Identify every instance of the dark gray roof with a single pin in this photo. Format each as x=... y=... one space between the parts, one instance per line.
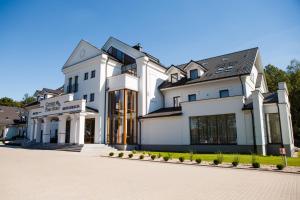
x=241 y=62
x=11 y=115
x=270 y=97
x=164 y=112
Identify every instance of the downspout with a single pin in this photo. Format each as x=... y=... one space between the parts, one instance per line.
x=105 y=86
x=253 y=130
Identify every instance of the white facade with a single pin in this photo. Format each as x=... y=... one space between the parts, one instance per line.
x=98 y=84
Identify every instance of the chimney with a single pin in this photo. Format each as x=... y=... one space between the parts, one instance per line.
x=138 y=47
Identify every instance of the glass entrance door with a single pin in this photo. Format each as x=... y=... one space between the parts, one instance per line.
x=68 y=127
x=89 y=133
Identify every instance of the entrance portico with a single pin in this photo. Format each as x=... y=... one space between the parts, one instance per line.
x=64 y=120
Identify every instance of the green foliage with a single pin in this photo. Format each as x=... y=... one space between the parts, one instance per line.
x=142 y=156
x=236 y=160
x=181 y=159
x=121 y=154
x=280 y=166
x=134 y=152
x=153 y=157
x=275 y=75
x=166 y=158
x=256 y=165
x=111 y=153
x=6 y=101
x=130 y=155
x=198 y=160
x=216 y=161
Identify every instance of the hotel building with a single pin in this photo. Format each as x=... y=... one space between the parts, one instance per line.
x=122 y=96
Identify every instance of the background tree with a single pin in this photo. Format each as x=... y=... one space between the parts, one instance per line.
x=274 y=75
x=6 y=101
x=27 y=99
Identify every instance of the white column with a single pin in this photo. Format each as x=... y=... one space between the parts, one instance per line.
x=258 y=115
x=142 y=73
x=80 y=127
x=46 y=130
x=98 y=138
x=285 y=118
x=35 y=129
x=73 y=129
x=102 y=90
x=61 y=129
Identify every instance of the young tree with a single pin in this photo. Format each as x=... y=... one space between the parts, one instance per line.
x=274 y=75
x=27 y=99
x=6 y=101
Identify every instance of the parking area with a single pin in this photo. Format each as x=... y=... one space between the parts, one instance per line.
x=41 y=174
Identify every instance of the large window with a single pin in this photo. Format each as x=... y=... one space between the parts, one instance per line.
x=213 y=129
x=122 y=57
x=86 y=76
x=76 y=84
x=273 y=128
x=193 y=73
x=122 y=117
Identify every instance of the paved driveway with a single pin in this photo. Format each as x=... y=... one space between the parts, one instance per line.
x=36 y=174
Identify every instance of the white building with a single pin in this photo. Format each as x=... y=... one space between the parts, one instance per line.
x=122 y=96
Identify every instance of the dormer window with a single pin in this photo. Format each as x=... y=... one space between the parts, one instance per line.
x=174 y=78
x=193 y=74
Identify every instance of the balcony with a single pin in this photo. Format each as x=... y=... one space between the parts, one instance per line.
x=123 y=81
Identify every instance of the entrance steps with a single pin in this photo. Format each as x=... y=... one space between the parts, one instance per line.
x=58 y=147
x=97 y=149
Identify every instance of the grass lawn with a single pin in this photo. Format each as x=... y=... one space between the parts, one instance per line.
x=244 y=158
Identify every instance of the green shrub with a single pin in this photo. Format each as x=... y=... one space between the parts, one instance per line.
x=153 y=157
x=236 y=161
x=216 y=161
x=159 y=155
x=130 y=155
x=166 y=158
x=149 y=154
x=198 y=160
x=121 y=154
x=181 y=159
x=111 y=153
x=280 y=166
x=142 y=157
x=256 y=165
x=134 y=152
x=170 y=156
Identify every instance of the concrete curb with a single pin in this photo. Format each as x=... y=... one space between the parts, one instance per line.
x=204 y=165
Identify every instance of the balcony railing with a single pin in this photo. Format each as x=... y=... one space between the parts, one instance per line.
x=129 y=69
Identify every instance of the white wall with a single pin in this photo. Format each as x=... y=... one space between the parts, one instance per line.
x=163 y=130
x=205 y=90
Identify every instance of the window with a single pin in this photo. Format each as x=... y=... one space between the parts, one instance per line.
x=85 y=97
x=76 y=84
x=122 y=57
x=93 y=74
x=92 y=96
x=86 y=76
x=174 y=78
x=273 y=128
x=69 y=88
x=224 y=93
x=176 y=101
x=213 y=129
x=193 y=74
x=192 y=97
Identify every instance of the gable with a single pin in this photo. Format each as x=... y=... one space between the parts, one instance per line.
x=83 y=51
x=194 y=65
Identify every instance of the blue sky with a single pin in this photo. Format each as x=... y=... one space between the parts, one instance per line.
x=37 y=37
